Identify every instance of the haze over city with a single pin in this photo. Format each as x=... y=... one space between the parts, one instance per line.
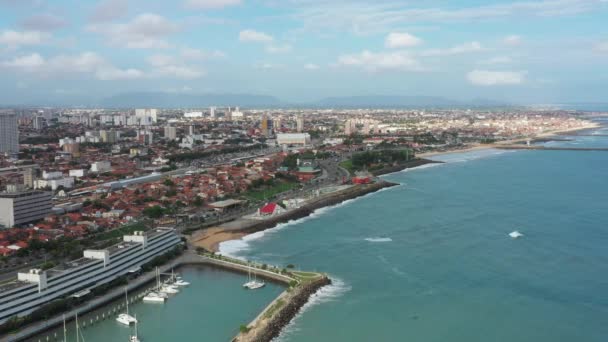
x=300 y=52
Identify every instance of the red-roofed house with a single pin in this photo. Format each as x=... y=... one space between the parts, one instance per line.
x=270 y=209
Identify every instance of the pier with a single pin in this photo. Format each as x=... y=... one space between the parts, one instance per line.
x=547 y=148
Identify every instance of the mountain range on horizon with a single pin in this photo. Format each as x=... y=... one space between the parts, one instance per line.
x=159 y=99
x=180 y=100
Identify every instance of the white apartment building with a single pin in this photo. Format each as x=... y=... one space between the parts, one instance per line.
x=18 y=207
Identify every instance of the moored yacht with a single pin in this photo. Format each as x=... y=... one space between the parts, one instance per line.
x=253 y=284
x=124 y=317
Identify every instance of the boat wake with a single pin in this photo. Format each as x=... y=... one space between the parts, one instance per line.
x=325 y=294
x=378 y=239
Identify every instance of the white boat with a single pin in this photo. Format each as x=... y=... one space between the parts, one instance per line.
x=125 y=318
x=253 y=284
x=180 y=282
x=154 y=297
x=169 y=289
x=134 y=338
x=515 y=234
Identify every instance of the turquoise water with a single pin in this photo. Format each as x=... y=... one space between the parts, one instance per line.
x=211 y=309
x=431 y=260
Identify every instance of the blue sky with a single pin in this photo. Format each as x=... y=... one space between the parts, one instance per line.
x=525 y=51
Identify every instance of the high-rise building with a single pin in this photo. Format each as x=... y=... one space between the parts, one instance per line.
x=190 y=130
x=29 y=176
x=276 y=125
x=212 y=112
x=147 y=116
x=38 y=123
x=9 y=133
x=19 y=207
x=72 y=148
x=170 y=132
x=110 y=136
x=300 y=123
x=265 y=125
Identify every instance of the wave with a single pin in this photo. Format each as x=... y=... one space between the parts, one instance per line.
x=325 y=294
x=470 y=155
x=233 y=248
x=378 y=239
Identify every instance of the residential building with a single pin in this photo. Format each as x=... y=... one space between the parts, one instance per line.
x=171 y=132
x=9 y=133
x=101 y=166
x=18 y=206
x=301 y=139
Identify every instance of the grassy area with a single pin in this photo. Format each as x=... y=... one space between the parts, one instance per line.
x=305 y=276
x=274 y=308
x=348 y=165
x=269 y=191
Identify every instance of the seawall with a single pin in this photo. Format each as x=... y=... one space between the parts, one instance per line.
x=280 y=312
x=311 y=206
x=401 y=167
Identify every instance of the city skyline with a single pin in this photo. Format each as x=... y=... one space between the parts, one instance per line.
x=301 y=51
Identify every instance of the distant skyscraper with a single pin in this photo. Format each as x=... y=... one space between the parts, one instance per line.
x=212 y=112
x=171 y=132
x=190 y=130
x=38 y=123
x=9 y=133
x=300 y=123
x=110 y=136
x=265 y=125
x=146 y=116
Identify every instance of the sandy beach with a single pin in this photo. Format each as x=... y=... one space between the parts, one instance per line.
x=476 y=147
x=211 y=238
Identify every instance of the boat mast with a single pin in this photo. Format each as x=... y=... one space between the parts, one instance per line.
x=77 y=338
x=127 y=300
x=64 y=329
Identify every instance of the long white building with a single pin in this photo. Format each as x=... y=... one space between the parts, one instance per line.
x=35 y=288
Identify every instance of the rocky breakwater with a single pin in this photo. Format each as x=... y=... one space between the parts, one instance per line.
x=281 y=311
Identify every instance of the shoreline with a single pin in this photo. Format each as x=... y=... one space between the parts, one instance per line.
x=478 y=146
x=210 y=238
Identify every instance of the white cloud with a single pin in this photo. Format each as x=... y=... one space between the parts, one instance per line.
x=491 y=78
x=401 y=40
x=512 y=40
x=456 y=50
x=146 y=31
x=29 y=63
x=311 y=66
x=111 y=73
x=43 y=22
x=84 y=63
x=383 y=16
x=372 y=61
x=278 y=48
x=268 y=66
x=601 y=47
x=255 y=36
x=211 y=4
x=168 y=66
x=197 y=54
x=497 y=60
x=109 y=10
x=19 y=38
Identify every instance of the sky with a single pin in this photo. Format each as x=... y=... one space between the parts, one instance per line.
x=523 y=51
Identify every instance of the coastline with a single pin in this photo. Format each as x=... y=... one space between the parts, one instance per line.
x=478 y=146
x=210 y=238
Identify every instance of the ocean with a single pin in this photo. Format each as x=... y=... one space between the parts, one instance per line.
x=431 y=260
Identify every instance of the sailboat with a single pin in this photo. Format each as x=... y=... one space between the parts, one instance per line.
x=78 y=333
x=253 y=284
x=124 y=317
x=156 y=296
x=134 y=338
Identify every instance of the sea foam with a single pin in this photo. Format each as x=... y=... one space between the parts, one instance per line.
x=325 y=294
x=378 y=239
